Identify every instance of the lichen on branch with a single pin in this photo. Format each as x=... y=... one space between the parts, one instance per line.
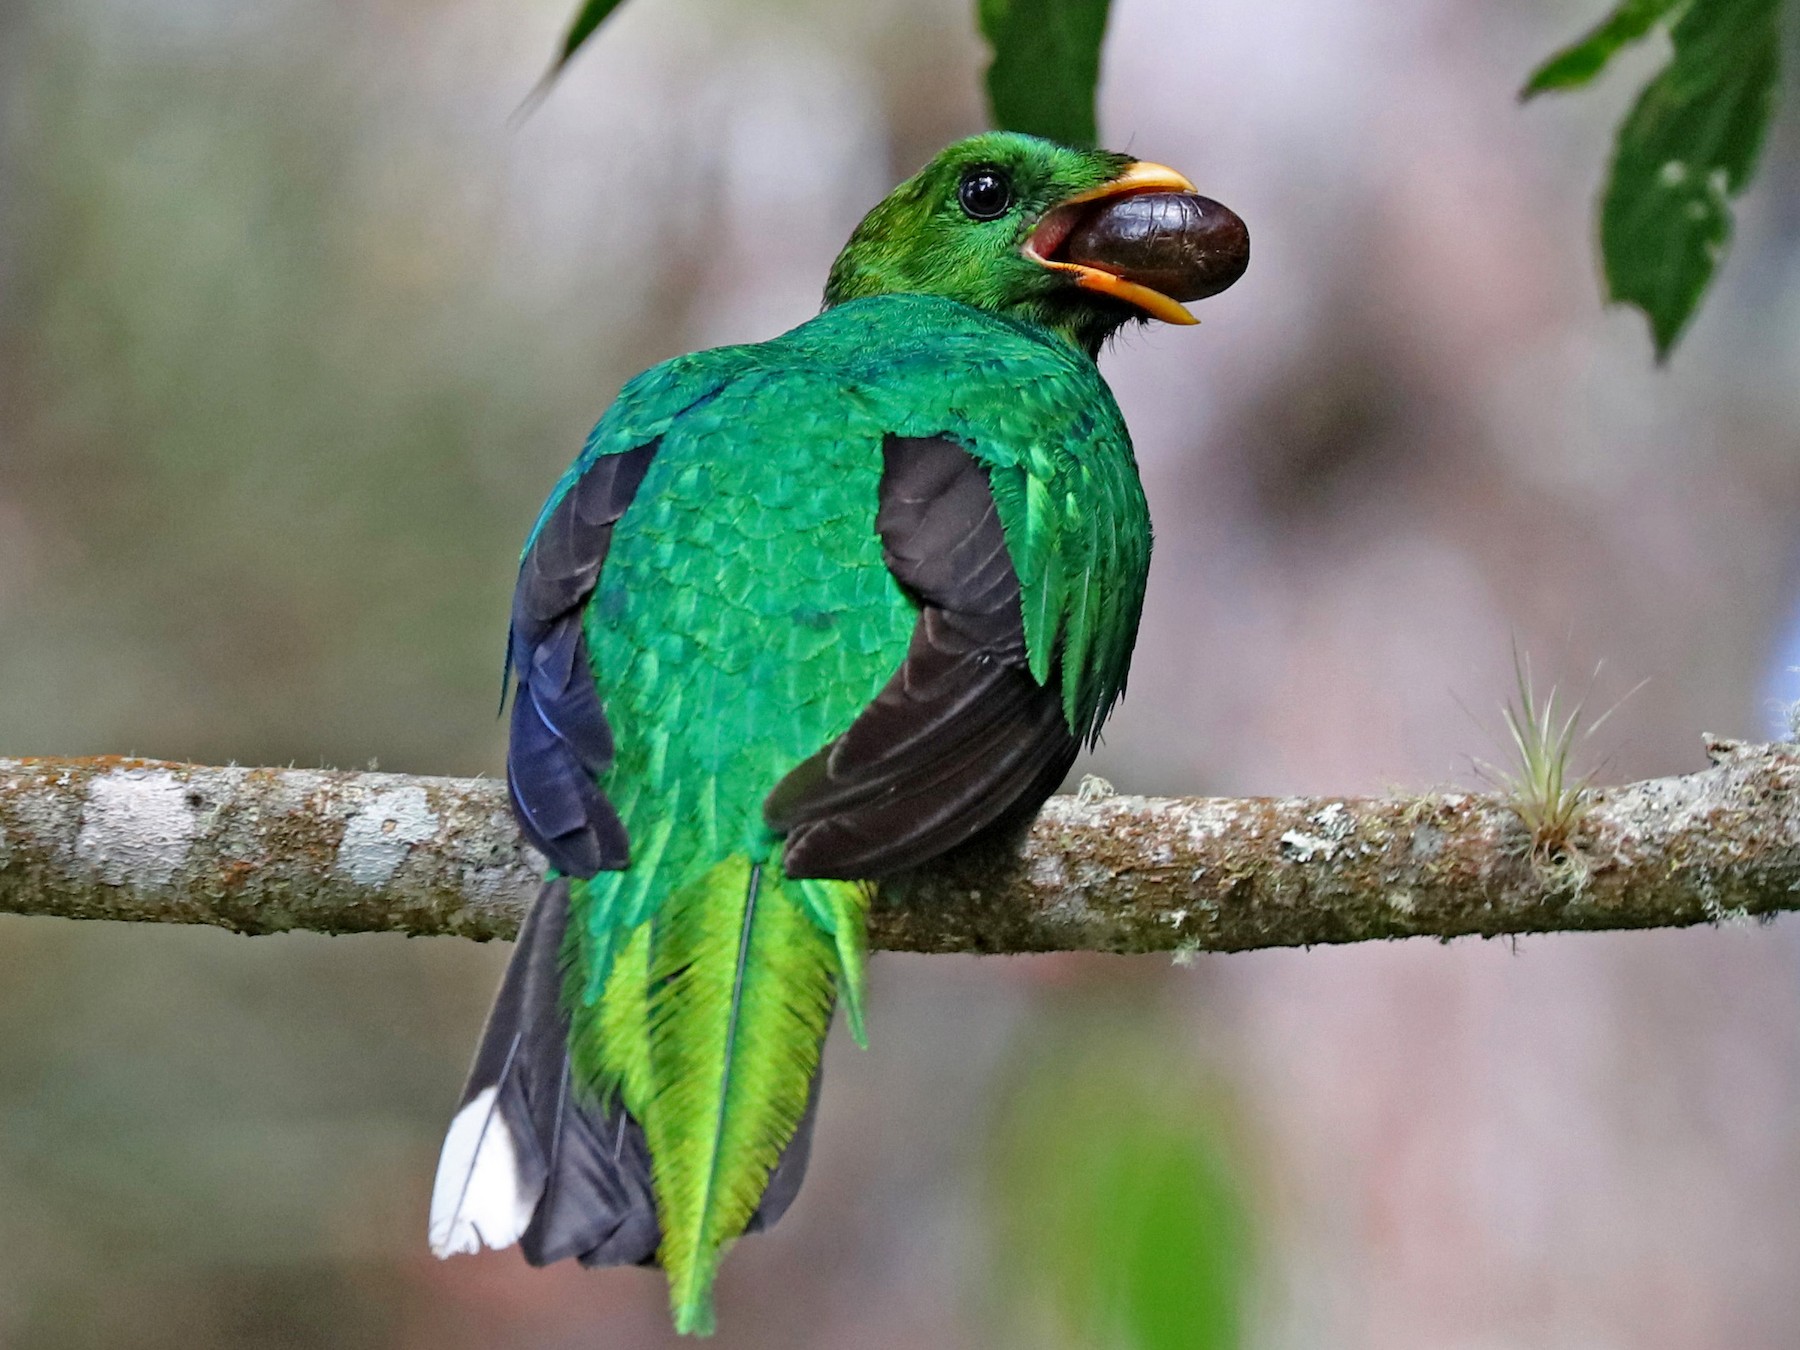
x=269 y=850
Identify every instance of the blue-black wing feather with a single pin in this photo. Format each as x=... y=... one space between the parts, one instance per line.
x=561 y=742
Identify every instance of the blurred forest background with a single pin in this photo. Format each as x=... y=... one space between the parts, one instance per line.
x=295 y=334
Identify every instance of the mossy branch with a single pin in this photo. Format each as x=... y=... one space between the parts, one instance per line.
x=268 y=850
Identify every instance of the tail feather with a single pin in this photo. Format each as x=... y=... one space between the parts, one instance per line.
x=528 y=1159
x=742 y=989
x=596 y=1206
x=532 y=1159
x=784 y=1181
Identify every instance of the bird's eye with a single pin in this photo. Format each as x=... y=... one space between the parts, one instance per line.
x=985 y=193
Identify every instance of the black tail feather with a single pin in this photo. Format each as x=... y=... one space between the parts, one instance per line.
x=588 y=1164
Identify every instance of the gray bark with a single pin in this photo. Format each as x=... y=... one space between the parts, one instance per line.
x=268 y=850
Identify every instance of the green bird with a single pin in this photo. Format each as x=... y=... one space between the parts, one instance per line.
x=804 y=614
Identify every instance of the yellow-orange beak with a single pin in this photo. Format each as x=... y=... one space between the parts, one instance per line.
x=1143 y=176
x=1138 y=178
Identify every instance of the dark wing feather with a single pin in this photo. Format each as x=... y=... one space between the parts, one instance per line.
x=560 y=739
x=962 y=737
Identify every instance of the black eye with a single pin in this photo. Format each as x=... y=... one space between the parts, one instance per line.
x=985 y=193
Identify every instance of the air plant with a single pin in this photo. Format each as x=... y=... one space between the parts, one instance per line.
x=1551 y=800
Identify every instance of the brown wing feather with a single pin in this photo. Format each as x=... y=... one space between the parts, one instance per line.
x=962 y=736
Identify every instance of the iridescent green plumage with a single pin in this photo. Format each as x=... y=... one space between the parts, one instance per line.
x=846 y=597
x=745 y=617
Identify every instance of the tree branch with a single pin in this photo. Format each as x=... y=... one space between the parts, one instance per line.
x=267 y=850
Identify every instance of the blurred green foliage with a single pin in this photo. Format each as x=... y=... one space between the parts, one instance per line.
x=1046 y=65
x=1688 y=146
x=1120 y=1219
x=1587 y=56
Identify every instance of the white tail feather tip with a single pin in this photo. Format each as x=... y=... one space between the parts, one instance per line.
x=477 y=1199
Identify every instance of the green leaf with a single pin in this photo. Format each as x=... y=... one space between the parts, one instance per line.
x=1120 y=1219
x=589 y=17
x=1687 y=148
x=1583 y=59
x=1046 y=65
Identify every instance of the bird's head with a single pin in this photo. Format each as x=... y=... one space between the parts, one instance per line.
x=1078 y=241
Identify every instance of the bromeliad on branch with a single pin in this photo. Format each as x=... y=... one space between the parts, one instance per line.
x=803 y=615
